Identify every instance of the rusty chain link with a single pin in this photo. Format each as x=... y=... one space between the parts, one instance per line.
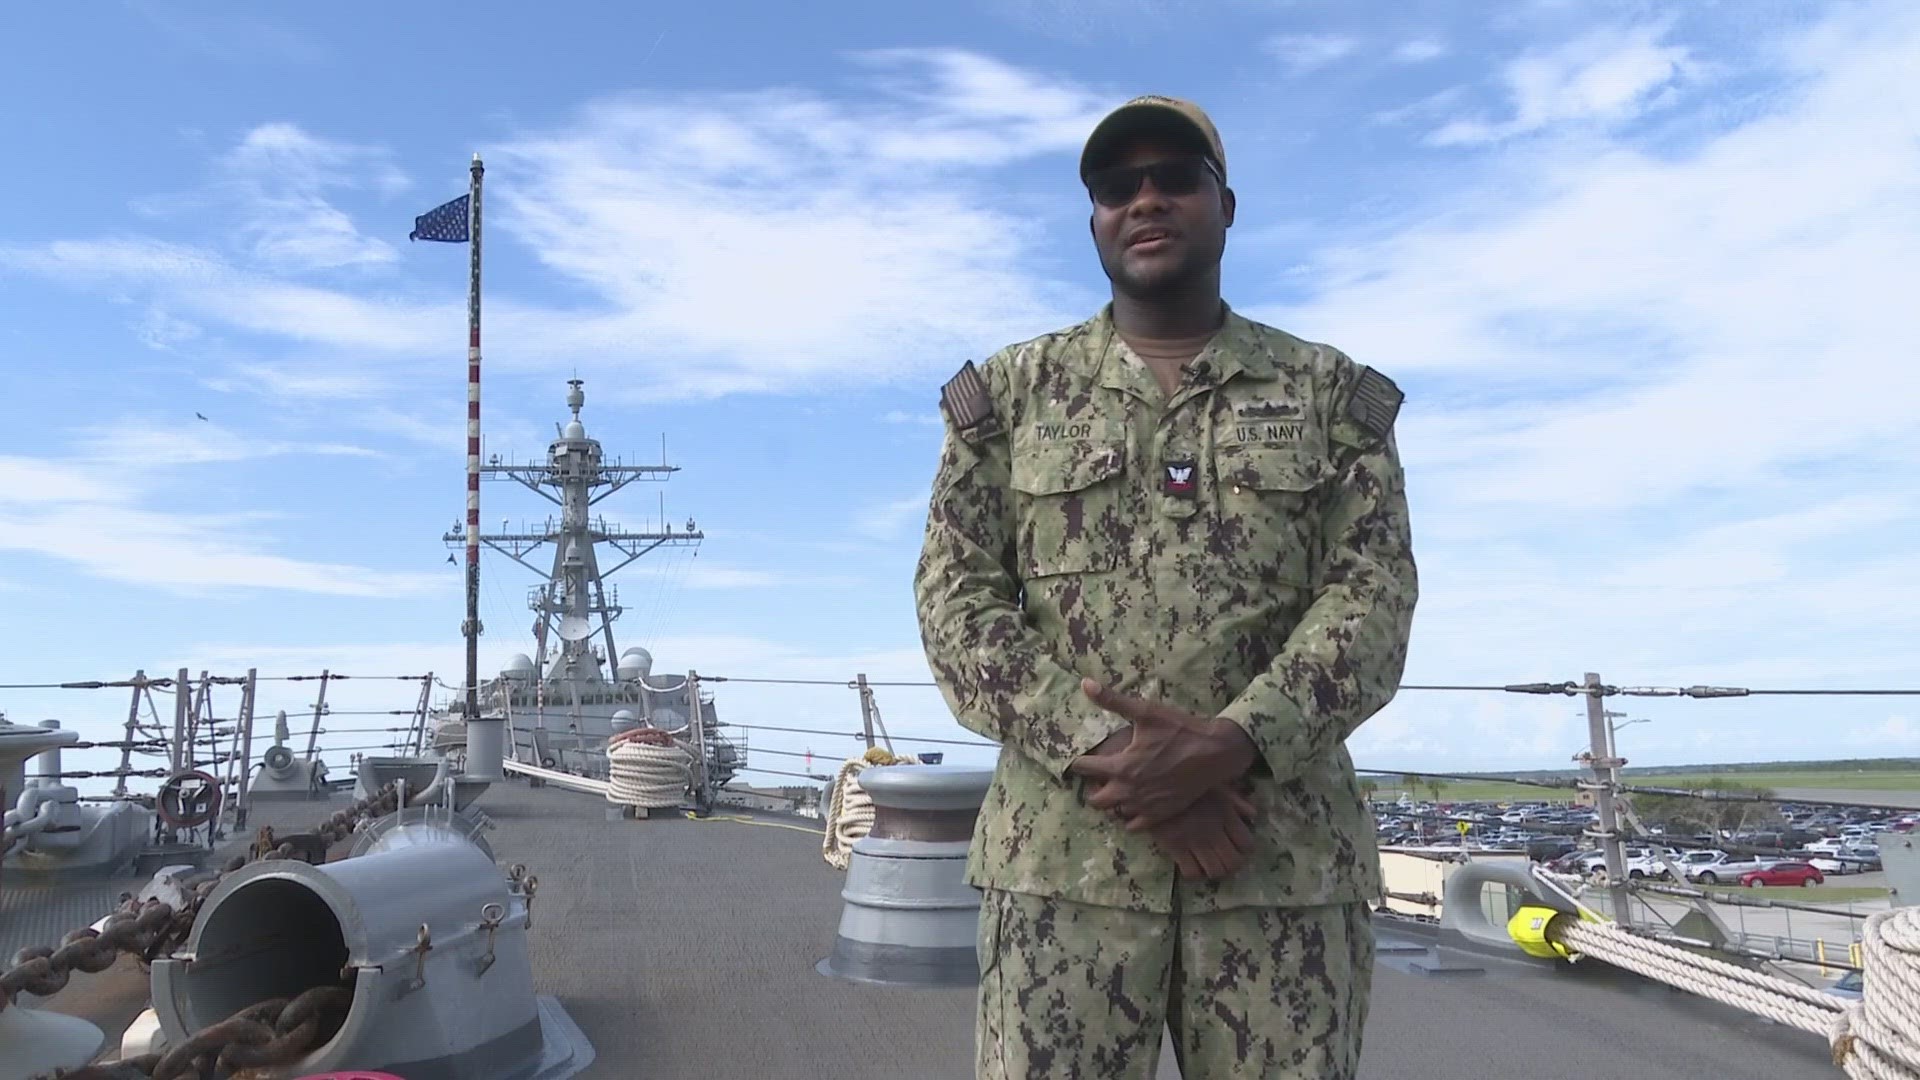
x=270 y=1035
x=42 y=971
x=153 y=929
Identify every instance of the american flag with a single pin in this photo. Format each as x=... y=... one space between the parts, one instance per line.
x=446 y=223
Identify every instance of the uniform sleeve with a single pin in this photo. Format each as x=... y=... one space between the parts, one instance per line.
x=1343 y=662
x=997 y=674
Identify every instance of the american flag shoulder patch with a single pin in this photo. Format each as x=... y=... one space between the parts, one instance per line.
x=1375 y=402
x=967 y=402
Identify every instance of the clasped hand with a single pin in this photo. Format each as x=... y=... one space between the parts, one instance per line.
x=1176 y=775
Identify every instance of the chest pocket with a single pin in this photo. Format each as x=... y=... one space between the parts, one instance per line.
x=1270 y=501
x=1070 y=490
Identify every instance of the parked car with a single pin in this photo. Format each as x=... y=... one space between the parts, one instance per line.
x=1786 y=873
x=1712 y=866
x=1548 y=849
x=1574 y=862
x=1864 y=857
x=1827 y=864
x=1642 y=862
x=1848 y=986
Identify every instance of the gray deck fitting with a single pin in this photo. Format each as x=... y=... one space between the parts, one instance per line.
x=1445 y=962
x=566 y=1050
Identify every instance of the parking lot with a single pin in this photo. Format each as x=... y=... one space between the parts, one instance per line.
x=1798 y=854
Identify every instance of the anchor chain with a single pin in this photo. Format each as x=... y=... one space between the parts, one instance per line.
x=271 y=1035
x=154 y=929
x=43 y=971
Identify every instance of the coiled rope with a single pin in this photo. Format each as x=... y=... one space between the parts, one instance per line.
x=850 y=809
x=646 y=767
x=1879 y=1039
x=1876 y=1039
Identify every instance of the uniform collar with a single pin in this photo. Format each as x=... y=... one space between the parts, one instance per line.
x=1238 y=348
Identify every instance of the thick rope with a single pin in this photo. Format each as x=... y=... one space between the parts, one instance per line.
x=1776 y=999
x=1879 y=1039
x=1876 y=1039
x=850 y=810
x=647 y=768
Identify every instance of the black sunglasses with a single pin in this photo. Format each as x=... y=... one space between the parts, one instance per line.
x=1116 y=185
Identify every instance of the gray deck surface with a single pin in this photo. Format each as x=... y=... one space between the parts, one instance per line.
x=685 y=950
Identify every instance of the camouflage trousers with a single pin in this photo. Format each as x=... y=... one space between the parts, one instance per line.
x=1072 y=990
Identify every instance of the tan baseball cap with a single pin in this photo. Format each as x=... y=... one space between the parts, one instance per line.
x=1153 y=114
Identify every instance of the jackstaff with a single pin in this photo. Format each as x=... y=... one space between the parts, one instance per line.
x=458 y=222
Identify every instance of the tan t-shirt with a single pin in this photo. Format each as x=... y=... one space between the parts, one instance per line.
x=1166 y=356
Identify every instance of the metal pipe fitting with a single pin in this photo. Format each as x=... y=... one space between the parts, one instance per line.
x=420 y=925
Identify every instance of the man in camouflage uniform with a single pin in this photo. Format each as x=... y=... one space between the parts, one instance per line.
x=1168 y=567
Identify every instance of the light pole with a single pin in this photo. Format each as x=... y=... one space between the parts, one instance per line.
x=1613 y=750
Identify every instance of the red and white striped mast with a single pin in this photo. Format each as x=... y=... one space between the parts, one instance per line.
x=471 y=626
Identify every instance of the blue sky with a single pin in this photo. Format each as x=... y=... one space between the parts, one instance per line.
x=1645 y=272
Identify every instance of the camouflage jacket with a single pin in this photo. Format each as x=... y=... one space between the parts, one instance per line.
x=1239 y=550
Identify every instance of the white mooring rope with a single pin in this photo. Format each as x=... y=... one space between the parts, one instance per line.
x=1879 y=1039
x=850 y=809
x=649 y=776
x=1875 y=1039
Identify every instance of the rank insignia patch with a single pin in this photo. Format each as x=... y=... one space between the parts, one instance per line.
x=1179 y=479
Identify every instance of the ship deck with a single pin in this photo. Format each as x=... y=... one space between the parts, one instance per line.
x=685 y=950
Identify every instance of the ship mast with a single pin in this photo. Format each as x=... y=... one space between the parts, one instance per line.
x=575 y=603
x=470 y=628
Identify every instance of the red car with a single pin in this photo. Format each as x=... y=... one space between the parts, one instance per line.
x=1786 y=873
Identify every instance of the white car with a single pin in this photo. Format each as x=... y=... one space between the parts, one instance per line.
x=1830 y=866
x=1714 y=867
x=1642 y=862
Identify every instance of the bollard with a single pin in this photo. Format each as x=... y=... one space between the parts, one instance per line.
x=910 y=918
x=32 y=1041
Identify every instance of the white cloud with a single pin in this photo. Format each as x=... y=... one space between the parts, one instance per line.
x=1599 y=327
x=146 y=444
x=278 y=177
x=869 y=231
x=302 y=381
x=1888 y=736
x=274 y=192
x=891 y=520
x=866 y=231
x=1419 y=50
x=188 y=278
x=720 y=577
x=1604 y=76
x=29 y=481
x=78 y=511
x=188 y=552
x=1659 y=416
x=690 y=573
x=163 y=332
x=897 y=416
x=1304 y=54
